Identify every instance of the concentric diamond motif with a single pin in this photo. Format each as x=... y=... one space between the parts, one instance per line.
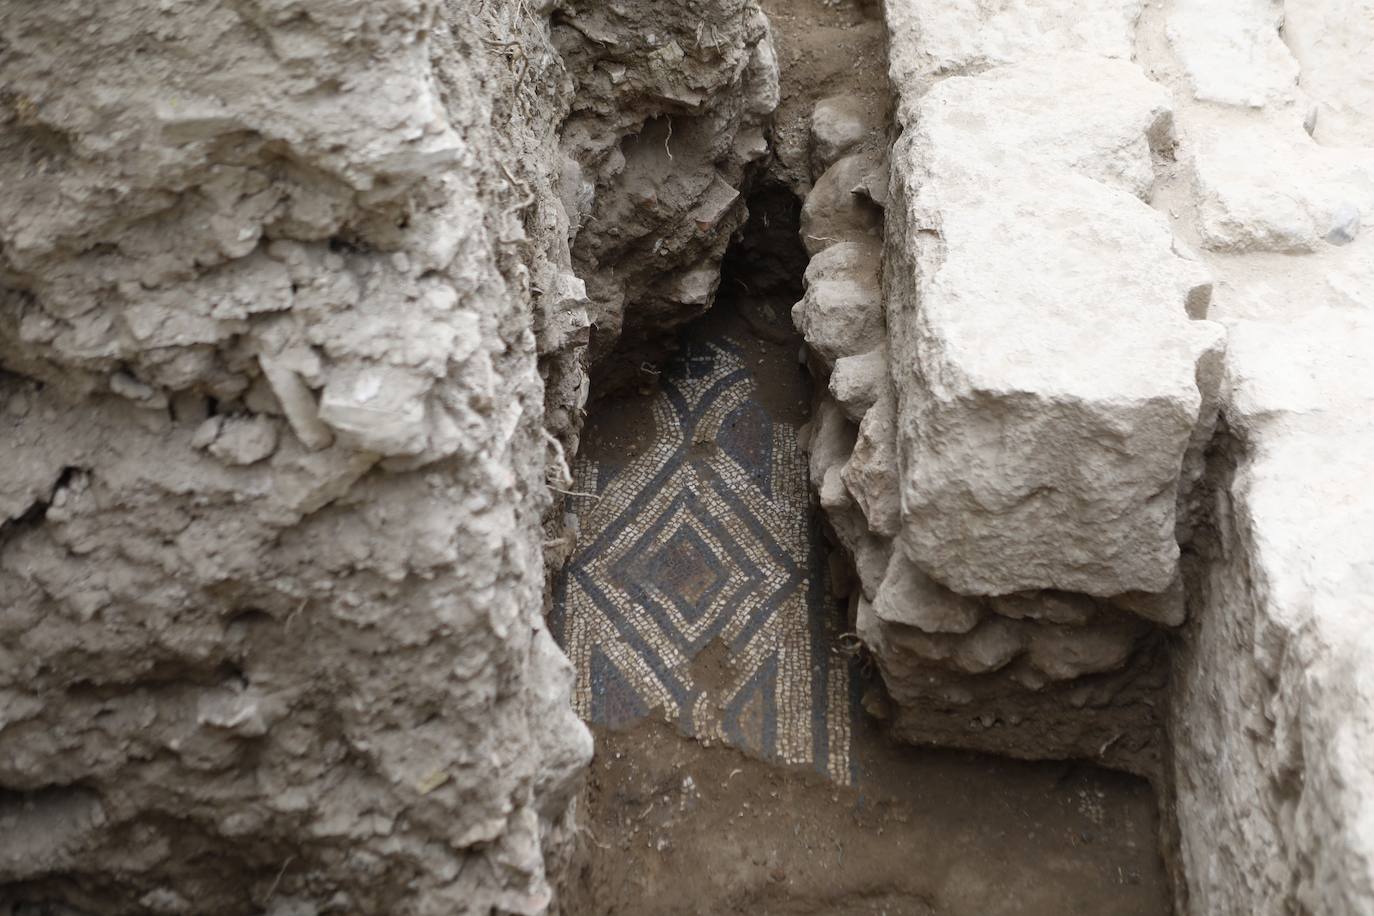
x=682 y=570
x=687 y=572
x=687 y=547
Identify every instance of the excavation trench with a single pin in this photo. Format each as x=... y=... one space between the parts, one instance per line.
x=731 y=706
x=298 y=319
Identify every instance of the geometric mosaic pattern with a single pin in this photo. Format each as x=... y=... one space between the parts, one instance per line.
x=704 y=547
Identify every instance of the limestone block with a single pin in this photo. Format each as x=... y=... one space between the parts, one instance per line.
x=1231 y=51
x=930 y=38
x=242 y=440
x=990 y=646
x=856 y=260
x=832 y=492
x=1168 y=608
x=1050 y=376
x=1052 y=607
x=857 y=381
x=1064 y=653
x=839 y=318
x=378 y=410
x=1331 y=40
x=841 y=206
x=1260 y=188
x=1048 y=384
x=306 y=481
x=832 y=441
x=1095 y=116
x=907 y=653
x=871 y=558
x=840 y=313
x=850 y=529
x=908 y=596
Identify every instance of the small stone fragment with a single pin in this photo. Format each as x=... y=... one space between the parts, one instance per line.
x=206 y=432
x=378 y=409
x=1050 y=606
x=298 y=403
x=243 y=440
x=1345 y=225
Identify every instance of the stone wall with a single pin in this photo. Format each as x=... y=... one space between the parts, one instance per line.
x=299 y=304
x=670 y=105
x=270 y=563
x=1112 y=400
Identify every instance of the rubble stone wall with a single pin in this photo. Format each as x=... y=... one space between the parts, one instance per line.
x=671 y=102
x=1021 y=381
x=284 y=286
x=271 y=564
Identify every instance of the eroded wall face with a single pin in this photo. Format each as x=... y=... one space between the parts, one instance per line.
x=670 y=110
x=1019 y=379
x=1271 y=720
x=666 y=120
x=293 y=336
x=270 y=565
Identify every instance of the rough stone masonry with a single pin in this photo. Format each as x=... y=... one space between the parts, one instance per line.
x=292 y=342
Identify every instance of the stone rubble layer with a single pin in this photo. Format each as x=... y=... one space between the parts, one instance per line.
x=295 y=311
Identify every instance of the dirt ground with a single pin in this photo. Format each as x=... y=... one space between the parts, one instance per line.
x=825 y=48
x=677 y=828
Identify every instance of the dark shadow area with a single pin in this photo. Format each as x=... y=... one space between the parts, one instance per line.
x=766 y=259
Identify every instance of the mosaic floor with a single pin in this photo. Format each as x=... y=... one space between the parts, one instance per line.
x=696 y=592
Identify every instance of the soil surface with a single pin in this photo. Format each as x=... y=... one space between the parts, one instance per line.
x=825 y=48
x=673 y=827
x=621 y=427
